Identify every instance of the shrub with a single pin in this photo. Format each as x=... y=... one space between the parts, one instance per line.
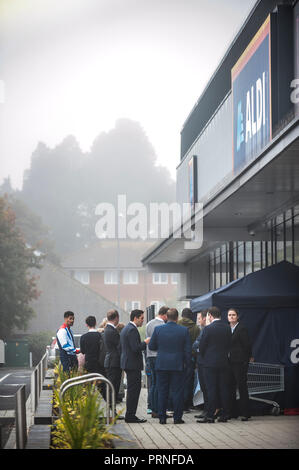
x=81 y=424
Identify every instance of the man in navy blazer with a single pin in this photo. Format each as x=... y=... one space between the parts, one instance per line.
x=173 y=345
x=214 y=348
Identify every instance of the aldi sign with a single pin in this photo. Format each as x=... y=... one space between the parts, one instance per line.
x=251 y=88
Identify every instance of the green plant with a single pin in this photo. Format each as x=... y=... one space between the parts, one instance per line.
x=81 y=424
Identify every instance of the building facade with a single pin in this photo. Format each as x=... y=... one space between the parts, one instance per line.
x=113 y=269
x=240 y=159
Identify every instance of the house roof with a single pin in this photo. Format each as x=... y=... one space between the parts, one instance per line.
x=103 y=254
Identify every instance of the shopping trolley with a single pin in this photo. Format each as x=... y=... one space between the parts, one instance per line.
x=265 y=378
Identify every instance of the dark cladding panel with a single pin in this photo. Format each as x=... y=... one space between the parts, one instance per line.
x=220 y=84
x=282 y=46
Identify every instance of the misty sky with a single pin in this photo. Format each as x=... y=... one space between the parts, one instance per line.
x=76 y=66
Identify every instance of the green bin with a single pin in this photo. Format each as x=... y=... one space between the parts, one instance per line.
x=17 y=353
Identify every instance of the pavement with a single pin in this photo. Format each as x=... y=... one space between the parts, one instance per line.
x=11 y=379
x=260 y=432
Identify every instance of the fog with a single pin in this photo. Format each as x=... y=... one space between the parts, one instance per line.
x=77 y=66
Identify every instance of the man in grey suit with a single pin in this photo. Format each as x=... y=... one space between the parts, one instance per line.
x=151 y=356
x=132 y=363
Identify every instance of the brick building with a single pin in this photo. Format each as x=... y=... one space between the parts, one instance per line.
x=102 y=264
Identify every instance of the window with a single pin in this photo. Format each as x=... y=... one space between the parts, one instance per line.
x=174 y=278
x=82 y=276
x=160 y=278
x=158 y=304
x=130 y=277
x=110 y=277
x=132 y=305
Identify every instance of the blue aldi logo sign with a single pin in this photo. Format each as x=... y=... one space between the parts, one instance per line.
x=251 y=87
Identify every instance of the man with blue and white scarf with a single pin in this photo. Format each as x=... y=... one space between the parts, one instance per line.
x=66 y=343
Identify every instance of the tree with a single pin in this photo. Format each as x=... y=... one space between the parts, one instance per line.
x=17 y=285
x=64 y=185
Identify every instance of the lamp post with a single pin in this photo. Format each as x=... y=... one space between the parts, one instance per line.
x=120 y=215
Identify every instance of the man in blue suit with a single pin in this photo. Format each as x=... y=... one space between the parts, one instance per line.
x=214 y=347
x=173 y=345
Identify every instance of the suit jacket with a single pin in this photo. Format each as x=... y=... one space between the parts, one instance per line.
x=131 y=348
x=215 y=344
x=112 y=344
x=173 y=344
x=240 y=350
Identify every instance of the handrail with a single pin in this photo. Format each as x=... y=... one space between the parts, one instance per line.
x=92 y=378
x=78 y=377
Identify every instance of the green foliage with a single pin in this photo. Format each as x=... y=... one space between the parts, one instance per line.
x=17 y=285
x=81 y=424
x=38 y=343
x=64 y=185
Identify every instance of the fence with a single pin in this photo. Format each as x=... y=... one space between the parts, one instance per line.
x=18 y=436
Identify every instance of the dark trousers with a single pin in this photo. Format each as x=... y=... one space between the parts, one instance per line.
x=203 y=387
x=153 y=391
x=189 y=385
x=217 y=383
x=238 y=380
x=68 y=361
x=114 y=375
x=170 y=381
x=133 y=392
x=93 y=366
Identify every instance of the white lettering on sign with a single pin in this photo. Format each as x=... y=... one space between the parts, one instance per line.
x=295 y=93
x=255 y=108
x=295 y=354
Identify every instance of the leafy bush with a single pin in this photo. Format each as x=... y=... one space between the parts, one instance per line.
x=81 y=424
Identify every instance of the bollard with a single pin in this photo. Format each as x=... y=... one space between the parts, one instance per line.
x=21 y=426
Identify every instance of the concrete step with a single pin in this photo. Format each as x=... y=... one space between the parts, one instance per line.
x=48 y=384
x=43 y=413
x=39 y=437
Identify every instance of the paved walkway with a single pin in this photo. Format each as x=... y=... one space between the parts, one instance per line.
x=261 y=432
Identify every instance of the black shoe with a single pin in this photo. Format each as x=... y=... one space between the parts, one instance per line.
x=162 y=421
x=120 y=417
x=179 y=421
x=245 y=418
x=202 y=415
x=221 y=419
x=205 y=420
x=135 y=420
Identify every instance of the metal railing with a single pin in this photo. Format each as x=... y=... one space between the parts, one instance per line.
x=37 y=378
x=21 y=422
x=67 y=384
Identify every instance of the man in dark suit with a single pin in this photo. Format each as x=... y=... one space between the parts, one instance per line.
x=112 y=344
x=131 y=362
x=239 y=356
x=173 y=345
x=214 y=348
